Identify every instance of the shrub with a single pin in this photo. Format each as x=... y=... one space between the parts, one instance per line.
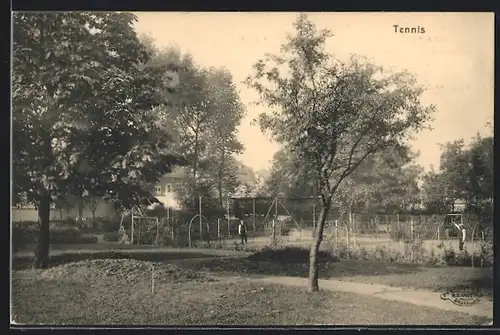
x=112 y=237
x=124 y=239
x=25 y=232
x=60 y=229
x=285 y=230
x=165 y=240
x=290 y=255
x=145 y=237
x=487 y=252
x=20 y=238
x=342 y=251
x=82 y=239
x=380 y=253
x=209 y=244
x=61 y=232
x=397 y=235
x=414 y=251
x=108 y=225
x=284 y=227
x=434 y=259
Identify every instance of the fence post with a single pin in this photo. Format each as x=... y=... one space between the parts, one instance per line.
x=253 y=214
x=472 y=244
x=157 y=230
x=399 y=225
x=411 y=227
x=228 y=220
x=336 y=233
x=314 y=221
x=387 y=224
x=218 y=228
x=355 y=230
x=139 y=230
x=274 y=232
x=439 y=228
x=173 y=230
x=347 y=235
x=201 y=221
x=132 y=226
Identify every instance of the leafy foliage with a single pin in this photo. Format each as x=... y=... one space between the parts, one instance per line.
x=332 y=115
x=387 y=181
x=87 y=126
x=466 y=173
x=204 y=114
x=82 y=100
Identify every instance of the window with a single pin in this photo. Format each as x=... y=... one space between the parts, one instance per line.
x=169 y=188
x=160 y=190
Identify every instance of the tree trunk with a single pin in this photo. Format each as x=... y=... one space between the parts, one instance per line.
x=195 y=168
x=80 y=210
x=41 y=260
x=221 y=175
x=313 y=265
x=93 y=219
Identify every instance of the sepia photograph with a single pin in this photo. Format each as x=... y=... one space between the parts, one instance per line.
x=252 y=168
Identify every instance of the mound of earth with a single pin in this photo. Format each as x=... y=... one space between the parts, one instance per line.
x=122 y=270
x=290 y=255
x=247 y=266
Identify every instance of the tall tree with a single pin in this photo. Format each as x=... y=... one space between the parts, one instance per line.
x=205 y=114
x=287 y=178
x=82 y=102
x=387 y=181
x=332 y=115
x=481 y=186
x=465 y=173
x=190 y=114
x=453 y=163
x=222 y=135
x=433 y=193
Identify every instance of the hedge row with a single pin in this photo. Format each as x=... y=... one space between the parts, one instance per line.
x=60 y=233
x=112 y=237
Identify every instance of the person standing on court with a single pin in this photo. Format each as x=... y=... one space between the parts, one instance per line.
x=461 y=236
x=242 y=231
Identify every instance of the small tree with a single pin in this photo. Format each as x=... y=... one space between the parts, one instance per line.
x=332 y=115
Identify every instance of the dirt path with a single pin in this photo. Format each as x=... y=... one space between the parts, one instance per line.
x=416 y=297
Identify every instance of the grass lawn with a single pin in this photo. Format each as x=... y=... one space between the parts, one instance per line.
x=362 y=271
x=23 y=260
x=89 y=246
x=119 y=292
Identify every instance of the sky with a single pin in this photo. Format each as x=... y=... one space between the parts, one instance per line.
x=454 y=58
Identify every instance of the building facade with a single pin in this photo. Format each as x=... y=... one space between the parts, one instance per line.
x=165 y=188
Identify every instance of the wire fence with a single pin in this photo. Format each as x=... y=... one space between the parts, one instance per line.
x=290 y=227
